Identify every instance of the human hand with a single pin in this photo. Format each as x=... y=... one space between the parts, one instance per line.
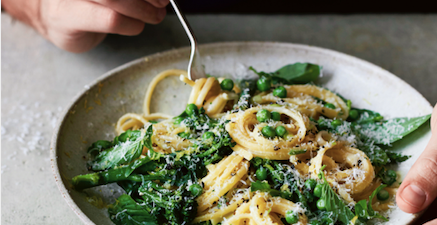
x=79 y=25
x=419 y=188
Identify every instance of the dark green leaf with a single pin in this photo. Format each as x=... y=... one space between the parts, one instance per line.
x=127 y=212
x=389 y=131
x=264 y=187
x=298 y=73
x=128 y=148
x=109 y=176
x=98 y=146
x=334 y=204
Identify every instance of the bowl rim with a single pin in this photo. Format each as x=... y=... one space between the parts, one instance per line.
x=82 y=93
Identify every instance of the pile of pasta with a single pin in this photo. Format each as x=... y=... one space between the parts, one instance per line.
x=347 y=169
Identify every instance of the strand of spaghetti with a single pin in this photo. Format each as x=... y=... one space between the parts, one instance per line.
x=135 y=121
x=204 y=91
x=154 y=82
x=196 y=90
x=219 y=214
x=218 y=189
x=186 y=80
x=128 y=121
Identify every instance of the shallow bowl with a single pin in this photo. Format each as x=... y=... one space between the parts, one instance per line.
x=94 y=112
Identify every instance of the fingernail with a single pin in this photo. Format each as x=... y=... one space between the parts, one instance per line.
x=414 y=195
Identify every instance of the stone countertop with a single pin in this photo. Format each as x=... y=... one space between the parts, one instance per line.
x=39 y=80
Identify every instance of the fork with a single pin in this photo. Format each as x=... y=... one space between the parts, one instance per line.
x=195 y=68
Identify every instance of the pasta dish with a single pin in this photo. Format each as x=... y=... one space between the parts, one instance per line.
x=274 y=150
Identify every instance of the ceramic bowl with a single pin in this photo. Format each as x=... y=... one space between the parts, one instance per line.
x=94 y=112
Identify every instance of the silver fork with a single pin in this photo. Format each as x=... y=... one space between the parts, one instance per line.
x=195 y=68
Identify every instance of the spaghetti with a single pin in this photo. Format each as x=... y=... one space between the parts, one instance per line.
x=244 y=155
x=342 y=172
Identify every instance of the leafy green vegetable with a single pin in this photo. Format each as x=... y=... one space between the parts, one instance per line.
x=109 y=176
x=169 y=206
x=388 y=177
x=264 y=187
x=364 y=210
x=280 y=176
x=297 y=73
x=370 y=134
x=389 y=131
x=248 y=88
x=334 y=204
x=210 y=151
x=126 y=148
x=127 y=212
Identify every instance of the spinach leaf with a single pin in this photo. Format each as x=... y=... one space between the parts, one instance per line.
x=127 y=212
x=109 y=176
x=264 y=187
x=389 y=131
x=297 y=73
x=128 y=147
x=99 y=146
x=364 y=210
x=333 y=203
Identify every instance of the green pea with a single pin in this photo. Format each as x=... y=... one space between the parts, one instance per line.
x=276 y=116
x=177 y=120
x=280 y=131
x=227 y=84
x=318 y=190
x=291 y=217
x=383 y=195
x=321 y=204
x=280 y=92
x=263 y=115
x=353 y=114
x=329 y=105
x=336 y=123
x=264 y=84
x=261 y=173
x=288 y=136
x=208 y=135
x=310 y=184
x=191 y=109
x=268 y=132
x=195 y=189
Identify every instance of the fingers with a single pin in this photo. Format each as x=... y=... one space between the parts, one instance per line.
x=81 y=42
x=151 y=11
x=93 y=17
x=419 y=188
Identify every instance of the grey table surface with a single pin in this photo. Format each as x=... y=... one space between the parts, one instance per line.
x=39 y=80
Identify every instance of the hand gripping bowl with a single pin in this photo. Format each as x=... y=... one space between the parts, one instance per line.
x=92 y=114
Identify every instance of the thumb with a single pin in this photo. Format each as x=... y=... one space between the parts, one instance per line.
x=419 y=187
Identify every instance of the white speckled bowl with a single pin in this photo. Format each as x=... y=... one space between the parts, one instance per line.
x=94 y=112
